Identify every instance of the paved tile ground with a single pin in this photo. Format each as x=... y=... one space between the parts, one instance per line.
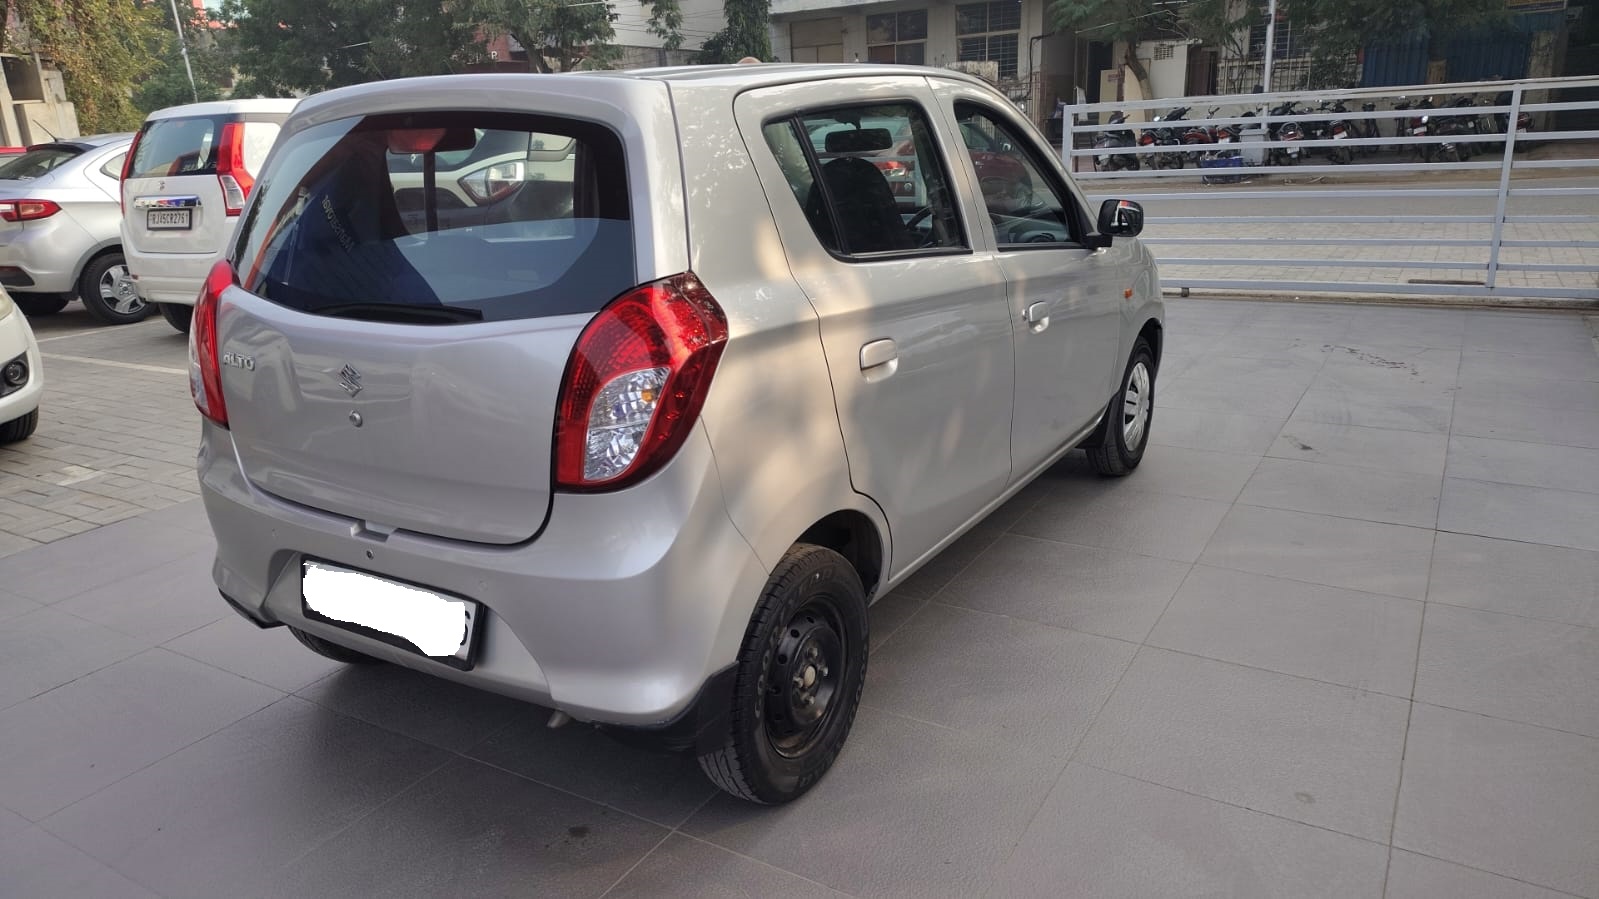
x=1339 y=636
x=114 y=438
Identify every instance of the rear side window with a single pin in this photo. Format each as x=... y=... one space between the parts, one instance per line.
x=869 y=178
x=182 y=146
x=435 y=218
x=36 y=162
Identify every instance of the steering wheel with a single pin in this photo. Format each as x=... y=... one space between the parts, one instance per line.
x=921 y=216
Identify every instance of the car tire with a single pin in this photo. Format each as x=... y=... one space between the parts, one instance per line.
x=798 y=680
x=108 y=293
x=333 y=651
x=1118 y=445
x=36 y=304
x=19 y=428
x=177 y=315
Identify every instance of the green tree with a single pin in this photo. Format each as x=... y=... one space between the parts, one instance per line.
x=283 y=46
x=748 y=33
x=168 y=85
x=101 y=47
x=558 y=35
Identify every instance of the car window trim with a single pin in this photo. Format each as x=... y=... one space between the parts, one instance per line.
x=1047 y=172
x=794 y=119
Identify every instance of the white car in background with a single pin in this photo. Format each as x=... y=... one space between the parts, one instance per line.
x=21 y=376
x=187 y=176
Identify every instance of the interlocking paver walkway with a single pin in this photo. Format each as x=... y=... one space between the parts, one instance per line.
x=1338 y=636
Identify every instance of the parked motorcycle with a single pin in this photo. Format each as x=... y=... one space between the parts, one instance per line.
x=1286 y=131
x=1169 y=135
x=1523 y=120
x=1336 y=128
x=1112 y=138
x=1418 y=125
x=1367 y=128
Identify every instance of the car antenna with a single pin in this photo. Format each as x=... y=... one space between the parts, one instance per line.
x=46 y=130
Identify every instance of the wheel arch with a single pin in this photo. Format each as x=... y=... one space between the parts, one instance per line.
x=1153 y=334
x=855 y=536
x=105 y=248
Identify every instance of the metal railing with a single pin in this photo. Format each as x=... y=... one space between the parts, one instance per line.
x=1458 y=204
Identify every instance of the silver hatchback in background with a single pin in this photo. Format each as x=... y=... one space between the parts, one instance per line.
x=60 y=221
x=639 y=432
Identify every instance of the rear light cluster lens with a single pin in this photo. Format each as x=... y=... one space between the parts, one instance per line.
x=635 y=384
x=494 y=182
x=236 y=179
x=205 y=362
x=27 y=210
x=127 y=168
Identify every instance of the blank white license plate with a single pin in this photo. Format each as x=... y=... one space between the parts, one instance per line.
x=169 y=219
x=433 y=624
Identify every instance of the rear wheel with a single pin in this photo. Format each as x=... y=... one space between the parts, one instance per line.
x=108 y=292
x=1118 y=446
x=19 y=428
x=40 y=303
x=798 y=680
x=177 y=315
x=332 y=651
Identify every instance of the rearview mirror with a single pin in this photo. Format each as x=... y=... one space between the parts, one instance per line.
x=1121 y=218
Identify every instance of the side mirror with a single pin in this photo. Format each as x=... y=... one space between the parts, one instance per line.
x=1121 y=218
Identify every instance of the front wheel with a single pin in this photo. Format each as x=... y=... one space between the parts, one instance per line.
x=19 y=428
x=798 y=680
x=108 y=292
x=1117 y=446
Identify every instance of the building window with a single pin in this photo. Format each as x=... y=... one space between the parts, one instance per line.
x=897 y=37
x=989 y=32
x=1286 y=40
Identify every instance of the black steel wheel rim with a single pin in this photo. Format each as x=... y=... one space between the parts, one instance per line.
x=803 y=679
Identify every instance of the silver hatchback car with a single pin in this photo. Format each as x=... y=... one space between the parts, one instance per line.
x=639 y=439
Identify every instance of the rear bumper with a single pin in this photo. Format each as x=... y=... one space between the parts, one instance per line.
x=169 y=277
x=16 y=339
x=43 y=256
x=622 y=612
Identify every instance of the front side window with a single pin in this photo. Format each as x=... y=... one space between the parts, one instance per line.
x=1027 y=207
x=989 y=32
x=897 y=37
x=441 y=217
x=869 y=179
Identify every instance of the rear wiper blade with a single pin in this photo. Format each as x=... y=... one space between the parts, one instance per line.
x=388 y=312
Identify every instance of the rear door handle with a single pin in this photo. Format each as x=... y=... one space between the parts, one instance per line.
x=879 y=359
x=1037 y=317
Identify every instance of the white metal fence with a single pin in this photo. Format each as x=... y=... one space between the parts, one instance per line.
x=1441 y=200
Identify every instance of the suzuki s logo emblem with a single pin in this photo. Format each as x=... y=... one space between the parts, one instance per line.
x=350 y=380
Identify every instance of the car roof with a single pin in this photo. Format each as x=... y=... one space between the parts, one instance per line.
x=718 y=77
x=223 y=107
x=95 y=141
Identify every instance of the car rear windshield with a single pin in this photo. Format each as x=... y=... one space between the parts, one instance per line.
x=181 y=146
x=36 y=162
x=438 y=218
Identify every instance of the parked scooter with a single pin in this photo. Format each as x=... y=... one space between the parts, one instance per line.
x=1112 y=138
x=1418 y=125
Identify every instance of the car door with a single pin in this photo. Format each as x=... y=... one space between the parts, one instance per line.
x=1064 y=296
x=912 y=310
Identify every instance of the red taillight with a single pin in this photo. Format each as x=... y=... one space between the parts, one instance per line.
x=27 y=210
x=236 y=180
x=205 y=362
x=127 y=170
x=635 y=384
